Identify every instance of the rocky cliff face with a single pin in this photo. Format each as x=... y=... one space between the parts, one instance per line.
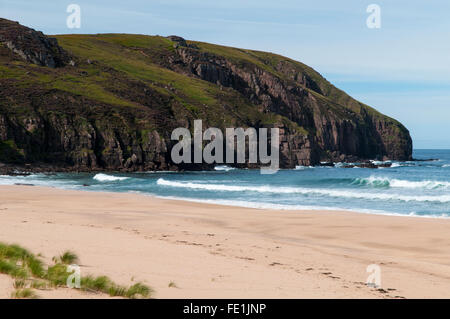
x=32 y=46
x=340 y=133
x=76 y=133
x=116 y=107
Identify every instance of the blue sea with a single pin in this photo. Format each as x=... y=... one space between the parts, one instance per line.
x=414 y=188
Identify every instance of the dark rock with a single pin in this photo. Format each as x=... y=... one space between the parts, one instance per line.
x=181 y=42
x=327 y=164
x=367 y=165
x=32 y=46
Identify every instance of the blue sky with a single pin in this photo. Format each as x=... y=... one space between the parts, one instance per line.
x=401 y=69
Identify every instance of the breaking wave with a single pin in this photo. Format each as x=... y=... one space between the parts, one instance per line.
x=304 y=191
x=223 y=168
x=108 y=178
x=399 y=183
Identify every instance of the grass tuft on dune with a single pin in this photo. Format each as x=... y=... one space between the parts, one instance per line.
x=31 y=274
x=67 y=258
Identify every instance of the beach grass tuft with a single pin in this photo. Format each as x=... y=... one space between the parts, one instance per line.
x=117 y=291
x=24 y=294
x=36 y=266
x=30 y=273
x=172 y=285
x=106 y=285
x=139 y=290
x=98 y=284
x=67 y=258
x=57 y=275
x=39 y=284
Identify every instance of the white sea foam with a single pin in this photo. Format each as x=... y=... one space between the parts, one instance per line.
x=380 y=162
x=156 y=172
x=305 y=191
x=262 y=205
x=29 y=179
x=37 y=180
x=399 y=183
x=301 y=167
x=9 y=180
x=272 y=206
x=108 y=178
x=223 y=168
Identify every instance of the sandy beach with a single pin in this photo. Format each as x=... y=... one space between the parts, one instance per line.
x=211 y=251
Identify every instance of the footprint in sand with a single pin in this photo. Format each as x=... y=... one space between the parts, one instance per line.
x=275 y=264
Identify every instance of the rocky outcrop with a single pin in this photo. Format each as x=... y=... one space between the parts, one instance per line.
x=98 y=116
x=337 y=132
x=32 y=46
x=75 y=135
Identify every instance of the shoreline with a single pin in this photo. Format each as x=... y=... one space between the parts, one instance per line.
x=46 y=168
x=217 y=251
x=247 y=205
x=294 y=209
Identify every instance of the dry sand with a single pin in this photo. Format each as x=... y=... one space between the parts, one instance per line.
x=212 y=251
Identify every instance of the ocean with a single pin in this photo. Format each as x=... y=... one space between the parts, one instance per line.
x=414 y=188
